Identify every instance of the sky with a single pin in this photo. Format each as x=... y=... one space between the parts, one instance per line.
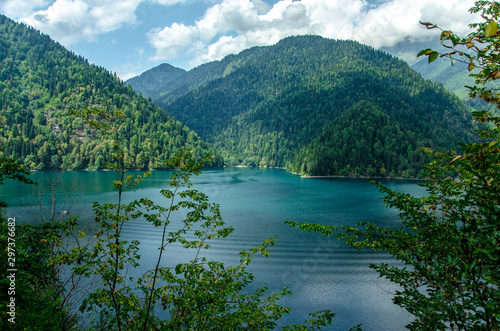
x=131 y=36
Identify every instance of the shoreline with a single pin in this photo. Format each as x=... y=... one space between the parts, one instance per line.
x=244 y=166
x=361 y=177
x=324 y=176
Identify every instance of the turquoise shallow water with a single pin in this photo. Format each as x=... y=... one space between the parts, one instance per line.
x=321 y=272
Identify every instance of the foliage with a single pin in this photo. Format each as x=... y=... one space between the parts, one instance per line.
x=449 y=241
x=321 y=318
x=281 y=105
x=479 y=50
x=356 y=143
x=9 y=168
x=156 y=80
x=41 y=297
x=40 y=81
x=36 y=303
x=200 y=294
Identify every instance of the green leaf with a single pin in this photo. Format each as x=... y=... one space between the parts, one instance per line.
x=433 y=56
x=491 y=29
x=179 y=268
x=445 y=35
x=456 y=158
x=422 y=52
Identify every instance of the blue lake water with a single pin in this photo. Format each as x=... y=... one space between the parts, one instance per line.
x=321 y=272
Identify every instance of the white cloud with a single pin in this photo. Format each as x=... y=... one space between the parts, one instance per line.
x=397 y=20
x=233 y=25
x=261 y=6
x=337 y=18
x=230 y=15
x=168 y=2
x=229 y=26
x=70 y=21
x=21 y=8
x=172 y=41
x=223 y=46
x=111 y=15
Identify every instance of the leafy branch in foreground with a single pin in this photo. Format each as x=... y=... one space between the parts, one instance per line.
x=45 y=292
x=479 y=50
x=449 y=240
x=197 y=295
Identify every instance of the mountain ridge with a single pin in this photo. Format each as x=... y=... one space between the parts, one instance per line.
x=265 y=104
x=162 y=75
x=40 y=81
x=454 y=77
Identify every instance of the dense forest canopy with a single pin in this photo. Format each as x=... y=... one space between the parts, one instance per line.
x=153 y=81
x=40 y=81
x=312 y=105
x=317 y=106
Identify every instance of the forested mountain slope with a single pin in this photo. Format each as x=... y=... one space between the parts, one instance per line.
x=322 y=107
x=157 y=79
x=454 y=76
x=40 y=81
x=165 y=83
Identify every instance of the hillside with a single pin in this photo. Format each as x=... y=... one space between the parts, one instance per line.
x=153 y=81
x=165 y=83
x=40 y=81
x=454 y=77
x=301 y=103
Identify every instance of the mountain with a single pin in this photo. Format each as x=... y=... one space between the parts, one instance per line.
x=167 y=84
x=321 y=107
x=455 y=77
x=156 y=79
x=40 y=81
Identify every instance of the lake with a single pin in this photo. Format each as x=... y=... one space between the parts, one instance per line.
x=322 y=273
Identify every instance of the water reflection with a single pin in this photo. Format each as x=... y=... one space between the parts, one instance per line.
x=321 y=272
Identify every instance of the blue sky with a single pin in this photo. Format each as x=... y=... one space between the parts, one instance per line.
x=131 y=36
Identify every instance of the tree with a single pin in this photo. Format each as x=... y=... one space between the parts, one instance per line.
x=196 y=295
x=52 y=221
x=479 y=49
x=28 y=250
x=449 y=240
x=10 y=169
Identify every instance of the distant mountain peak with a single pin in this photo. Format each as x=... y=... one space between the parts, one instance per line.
x=149 y=81
x=317 y=106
